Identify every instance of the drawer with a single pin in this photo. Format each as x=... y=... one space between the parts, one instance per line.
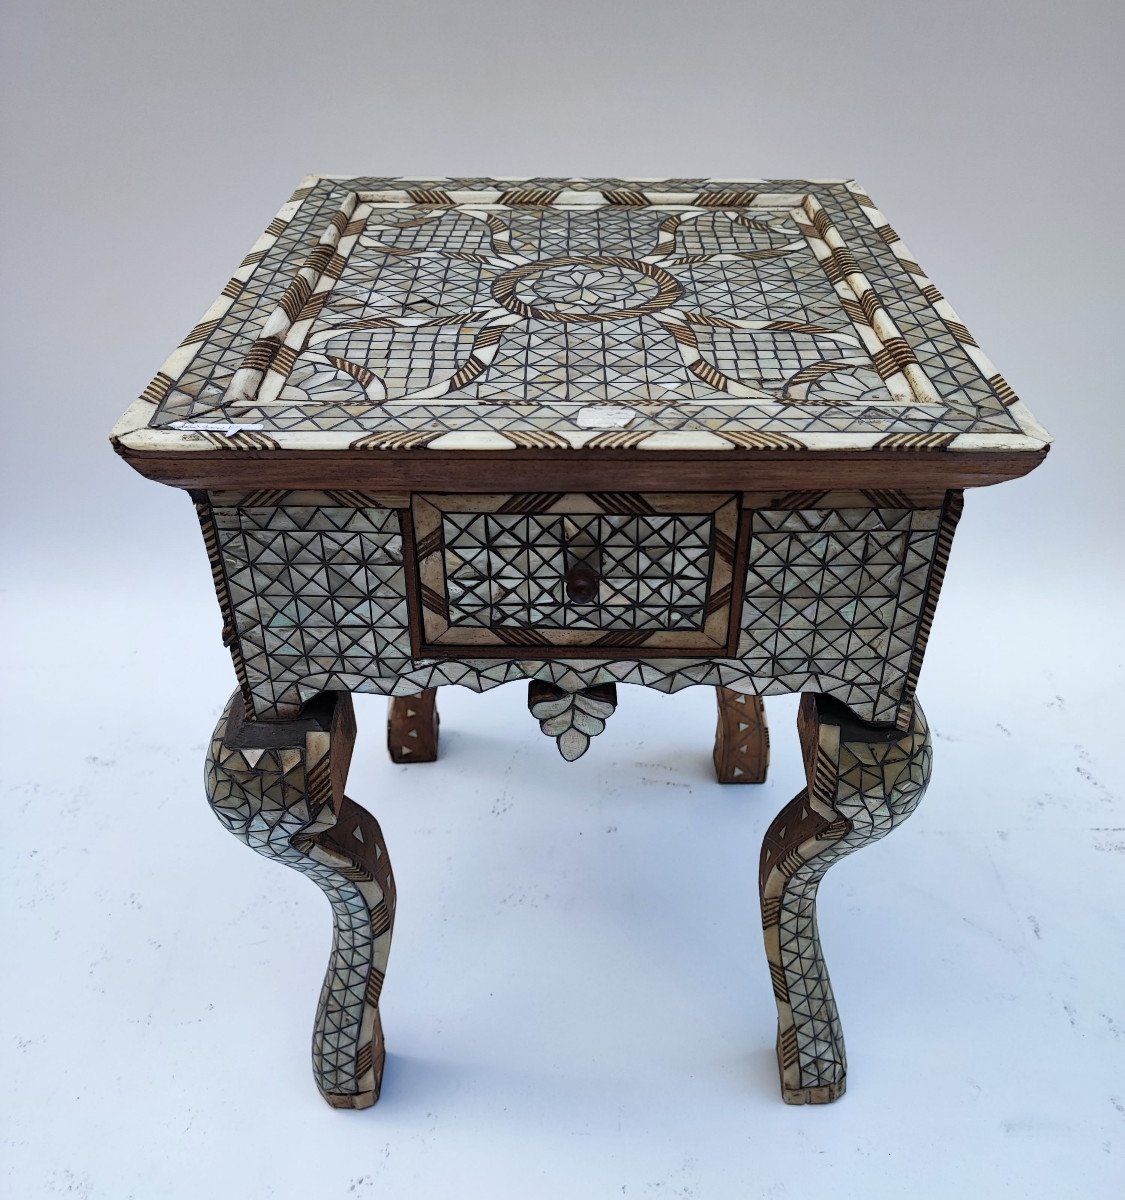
x=566 y=574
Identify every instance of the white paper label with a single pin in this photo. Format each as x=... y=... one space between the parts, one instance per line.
x=227 y=427
x=604 y=416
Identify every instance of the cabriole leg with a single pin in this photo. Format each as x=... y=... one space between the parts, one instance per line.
x=742 y=741
x=279 y=787
x=412 y=727
x=862 y=782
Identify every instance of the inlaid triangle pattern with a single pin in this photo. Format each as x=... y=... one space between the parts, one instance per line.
x=389 y=313
x=314 y=595
x=508 y=569
x=613 y=570
x=545 y=361
x=318 y=595
x=859 y=789
x=838 y=595
x=267 y=798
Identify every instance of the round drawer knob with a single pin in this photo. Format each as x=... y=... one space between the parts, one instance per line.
x=581 y=585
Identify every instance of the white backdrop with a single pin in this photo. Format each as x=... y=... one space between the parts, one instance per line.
x=577 y=1003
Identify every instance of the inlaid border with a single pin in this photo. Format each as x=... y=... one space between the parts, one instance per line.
x=285 y=330
x=434 y=636
x=144 y=443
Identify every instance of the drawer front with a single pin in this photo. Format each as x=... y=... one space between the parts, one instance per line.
x=832 y=592
x=532 y=572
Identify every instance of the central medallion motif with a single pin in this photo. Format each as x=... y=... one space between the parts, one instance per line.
x=586 y=289
x=435 y=307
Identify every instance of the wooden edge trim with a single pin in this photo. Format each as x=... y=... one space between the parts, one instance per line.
x=950 y=514
x=576 y=471
x=205 y=512
x=739 y=581
x=550 y=653
x=411 y=581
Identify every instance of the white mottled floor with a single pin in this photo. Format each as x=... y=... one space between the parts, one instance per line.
x=577 y=1003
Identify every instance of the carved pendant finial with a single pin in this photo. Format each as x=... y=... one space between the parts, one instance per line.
x=571 y=718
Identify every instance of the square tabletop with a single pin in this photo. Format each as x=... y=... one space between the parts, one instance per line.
x=779 y=321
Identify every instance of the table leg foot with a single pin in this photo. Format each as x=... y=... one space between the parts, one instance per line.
x=862 y=783
x=350 y=1099
x=412 y=727
x=279 y=787
x=742 y=740
x=814 y=1095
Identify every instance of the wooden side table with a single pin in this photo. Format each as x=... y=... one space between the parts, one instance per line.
x=577 y=433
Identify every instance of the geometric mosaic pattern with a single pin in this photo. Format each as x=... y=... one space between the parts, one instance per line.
x=839 y=593
x=380 y=313
x=471 y=315
x=317 y=592
x=837 y=600
x=472 y=302
x=507 y=570
x=861 y=785
x=279 y=788
x=606 y=569
x=742 y=738
x=412 y=728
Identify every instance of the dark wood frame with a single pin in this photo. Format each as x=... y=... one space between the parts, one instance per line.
x=577 y=471
x=421 y=648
